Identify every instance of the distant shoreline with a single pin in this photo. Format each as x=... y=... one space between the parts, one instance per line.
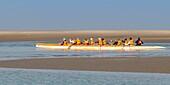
x=161 y=36
x=109 y=64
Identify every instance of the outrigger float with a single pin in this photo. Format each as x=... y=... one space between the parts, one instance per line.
x=95 y=47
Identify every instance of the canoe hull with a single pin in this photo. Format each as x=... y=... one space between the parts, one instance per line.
x=75 y=47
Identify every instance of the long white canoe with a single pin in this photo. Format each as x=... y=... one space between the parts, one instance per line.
x=76 y=47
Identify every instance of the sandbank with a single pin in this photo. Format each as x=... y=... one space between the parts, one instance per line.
x=146 y=35
x=109 y=64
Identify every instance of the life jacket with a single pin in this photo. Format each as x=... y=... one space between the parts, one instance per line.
x=78 y=42
x=126 y=42
x=91 y=42
x=139 y=42
x=100 y=42
x=118 y=42
x=74 y=42
x=86 y=42
x=64 y=42
x=131 y=42
x=104 y=42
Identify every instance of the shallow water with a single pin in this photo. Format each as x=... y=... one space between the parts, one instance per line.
x=24 y=50
x=61 y=77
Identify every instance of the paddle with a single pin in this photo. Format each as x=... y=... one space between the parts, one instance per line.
x=100 y=47
x=72 y=43
x=70 y=46
x=124 y=46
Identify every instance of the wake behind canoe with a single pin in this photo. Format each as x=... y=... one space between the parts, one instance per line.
x=96 y=47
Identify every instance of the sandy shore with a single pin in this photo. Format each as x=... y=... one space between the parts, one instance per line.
x=146 y=35
x=116 y=64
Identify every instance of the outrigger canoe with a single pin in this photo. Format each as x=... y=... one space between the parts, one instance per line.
x=96 y=47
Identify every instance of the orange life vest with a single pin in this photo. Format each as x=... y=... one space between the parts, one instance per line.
x=91 y=42
x=74 y=41
x=131 y=42
x=100 y=42
x=118 y=42
x=104 y=42
x=78 y=42
x=125 y=42
x=64 y=42
x=86 y=42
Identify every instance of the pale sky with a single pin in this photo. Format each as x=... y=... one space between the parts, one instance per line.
x=84 y=14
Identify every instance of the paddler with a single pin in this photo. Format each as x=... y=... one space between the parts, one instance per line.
x=78 y=41
x=70 y=41
x=130 y=41
x=139 y=42
x=73 y=42
x=115 y=42
x=118 y=42
x=86 y=42
x=100 y=42
x=104 y=41
x=64 y=42
x=91 y=41
x=111 y=43
x=125 y=42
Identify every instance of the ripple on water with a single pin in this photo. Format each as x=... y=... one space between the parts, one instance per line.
x=20 y=50
x=61 y=77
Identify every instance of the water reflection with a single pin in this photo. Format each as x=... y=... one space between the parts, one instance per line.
x=23 y=50
x=66 y=50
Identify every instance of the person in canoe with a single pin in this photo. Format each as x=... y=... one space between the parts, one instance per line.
x=86 y=42
x=104 y=41
x=139 y=42
x=73 y=41
x=115 y=42
x=118 y=42
x=125 y=42
x=111 y=43
x=100 y=42
x=130 y=43
x=64 y=42
x=91 y=41
x=78 y=41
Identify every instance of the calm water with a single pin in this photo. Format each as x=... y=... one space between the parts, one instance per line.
x=22 y=50
x=60 y=77
x=25 y=50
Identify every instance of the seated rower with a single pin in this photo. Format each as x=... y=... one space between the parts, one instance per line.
x=130 y=41
x=70 y=41
x=111 y=43
x=139 y=42
x=118 y=42
x=78 y=41
x=91 y=41
x=100 y=42
x=115 y=42
x=73 y=42
x=64 y=42
x=125 y=42
x=86 y=42
x=104 y=41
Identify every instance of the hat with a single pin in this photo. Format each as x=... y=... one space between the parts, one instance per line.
x=138 y=38
x=64 y=38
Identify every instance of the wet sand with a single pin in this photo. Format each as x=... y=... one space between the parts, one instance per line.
x=146 y=35
x=120 y=64
x=114 y=64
